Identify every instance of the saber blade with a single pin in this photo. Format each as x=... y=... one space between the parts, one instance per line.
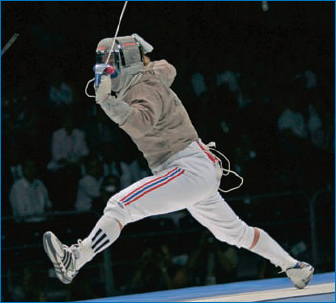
x=9 y=43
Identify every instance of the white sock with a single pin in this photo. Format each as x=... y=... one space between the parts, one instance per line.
x=268 y=248
x=106 y=231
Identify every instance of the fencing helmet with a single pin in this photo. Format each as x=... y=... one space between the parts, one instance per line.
x=124 y=62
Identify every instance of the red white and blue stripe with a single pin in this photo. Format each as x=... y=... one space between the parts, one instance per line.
x=151 y=185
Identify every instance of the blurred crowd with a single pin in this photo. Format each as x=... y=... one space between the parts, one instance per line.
x=62 y=153
x=65 y=153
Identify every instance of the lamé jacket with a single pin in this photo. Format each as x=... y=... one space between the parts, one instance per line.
x=152 y=114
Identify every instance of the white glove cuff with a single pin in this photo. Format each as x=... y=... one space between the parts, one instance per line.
x=104 y=90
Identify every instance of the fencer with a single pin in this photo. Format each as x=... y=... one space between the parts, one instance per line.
x=135 y=93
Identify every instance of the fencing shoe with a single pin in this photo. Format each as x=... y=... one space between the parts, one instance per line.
x=300 y=274
x=83 y=252
x=62 y=257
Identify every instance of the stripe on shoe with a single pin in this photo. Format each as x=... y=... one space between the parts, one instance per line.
x=68 y=260
x=151 y=185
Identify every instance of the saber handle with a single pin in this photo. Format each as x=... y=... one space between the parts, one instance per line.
x=103 y=69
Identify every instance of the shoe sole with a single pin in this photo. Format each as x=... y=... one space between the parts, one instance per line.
x=51 y=253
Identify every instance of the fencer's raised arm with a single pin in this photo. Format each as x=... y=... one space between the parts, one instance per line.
x=141 y=105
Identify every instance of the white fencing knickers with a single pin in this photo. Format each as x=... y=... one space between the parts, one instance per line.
x=188 y=180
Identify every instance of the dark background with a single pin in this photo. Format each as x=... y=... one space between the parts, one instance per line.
x=267 y=48
x=66 y=34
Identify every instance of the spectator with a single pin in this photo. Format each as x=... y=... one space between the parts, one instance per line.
x=109 y=187
x=68 y=147
x=244 y=154
x=29 y=286
x=314 y=126
x=60 y=93
x=198 y=84
x=212 y=262
x=33 y=285
x=200 y=78
x=89 y=184
x=157 y=271
x=129 y=167
x=209 y=263
x=258 y=120
x=99 y=131
x=175 y=216
x=301 y=133
x=21 y=122
x=202 y=83
x=230 y=78
x=291 y=122
x=321 y=126
x=294 y=139
x=11 y=170
x=110 y=156
x=28 y=195
x=133 y=169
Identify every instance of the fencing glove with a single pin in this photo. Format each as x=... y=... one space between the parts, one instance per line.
x=104 y=89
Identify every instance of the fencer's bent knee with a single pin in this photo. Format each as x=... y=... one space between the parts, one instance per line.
x=117 y=210
x=240 y=236
x=246 y=237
